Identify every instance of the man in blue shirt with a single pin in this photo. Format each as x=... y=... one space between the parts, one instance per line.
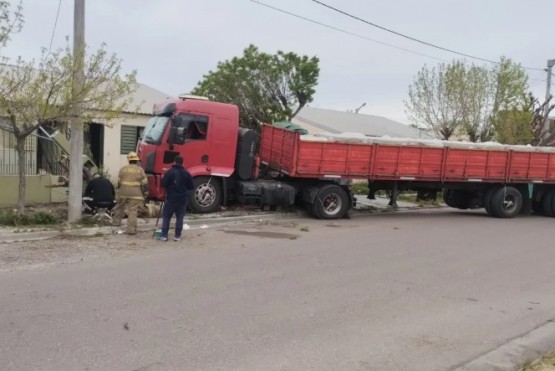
x=177 y=182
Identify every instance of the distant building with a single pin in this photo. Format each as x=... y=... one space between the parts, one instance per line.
x=318 y=120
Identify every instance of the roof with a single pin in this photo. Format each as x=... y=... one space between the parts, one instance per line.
x=144 y=99
x=330 y=121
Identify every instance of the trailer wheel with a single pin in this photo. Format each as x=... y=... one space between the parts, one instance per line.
x=331 y=202
x=445 y=195
x=206 y=195
x=506 y=202
x=487 y=200
x=547 y=202
x=457 y=199
x=537 y=208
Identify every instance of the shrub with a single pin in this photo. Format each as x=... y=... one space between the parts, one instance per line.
x=359 y=188
x=38 y=218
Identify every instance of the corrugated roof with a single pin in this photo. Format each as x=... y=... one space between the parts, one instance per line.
x=144 y=98
x=142 y=101
x=338 y=122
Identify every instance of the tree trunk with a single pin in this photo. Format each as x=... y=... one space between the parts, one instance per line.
x=299 y=108
x=20 y=149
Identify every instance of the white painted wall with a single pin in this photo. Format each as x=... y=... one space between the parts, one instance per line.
x=113 y=160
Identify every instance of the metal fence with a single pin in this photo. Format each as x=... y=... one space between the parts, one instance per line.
x=9 y=161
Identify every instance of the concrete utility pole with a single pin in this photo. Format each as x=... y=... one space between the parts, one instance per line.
x=76 y=146
x=550 y=64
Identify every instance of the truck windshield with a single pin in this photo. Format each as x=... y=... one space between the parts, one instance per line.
x=154 y=129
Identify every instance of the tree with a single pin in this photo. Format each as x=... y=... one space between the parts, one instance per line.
x=510 y=104
x=435 y=99
x=34 y=93
x=467 y=100
x=265 y=87
x=513 y=127
x=11 y=20
x=539 y=112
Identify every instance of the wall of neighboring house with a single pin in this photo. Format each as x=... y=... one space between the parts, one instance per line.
x=120 y=137
x=40 y=189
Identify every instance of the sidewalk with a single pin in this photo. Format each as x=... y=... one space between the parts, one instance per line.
x=192 y=221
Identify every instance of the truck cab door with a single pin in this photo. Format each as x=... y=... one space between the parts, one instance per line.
x=190 y=137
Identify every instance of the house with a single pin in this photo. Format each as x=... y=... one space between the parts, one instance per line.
x=318 y=120
x=106 y=143
x=110 y=143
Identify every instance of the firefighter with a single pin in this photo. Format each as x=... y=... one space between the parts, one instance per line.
x=132 y=191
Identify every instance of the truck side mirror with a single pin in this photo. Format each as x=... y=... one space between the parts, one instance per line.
x=177 y=135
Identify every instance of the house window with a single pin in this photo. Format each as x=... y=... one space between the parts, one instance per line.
x=129 y=138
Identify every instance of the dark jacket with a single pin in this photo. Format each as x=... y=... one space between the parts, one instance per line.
x=177 y=181
x=101 y=190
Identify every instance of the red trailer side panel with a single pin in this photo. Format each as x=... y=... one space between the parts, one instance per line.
x=284 y=151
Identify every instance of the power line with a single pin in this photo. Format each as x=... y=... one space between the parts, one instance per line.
x=413 y=38
x=347 y=32
x=55 y=24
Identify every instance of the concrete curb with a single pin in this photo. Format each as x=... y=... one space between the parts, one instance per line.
x=509 y=356
x=194 y=221
x=147 y=226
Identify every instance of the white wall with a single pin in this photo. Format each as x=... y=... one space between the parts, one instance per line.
x=113 y=160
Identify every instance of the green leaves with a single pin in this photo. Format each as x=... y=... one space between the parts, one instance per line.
x=266 y=88
x=11 y=20
x=469 y=102
x=39 y=92
x=35 y=92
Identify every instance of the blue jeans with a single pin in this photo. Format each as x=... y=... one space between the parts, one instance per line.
x=167 y=213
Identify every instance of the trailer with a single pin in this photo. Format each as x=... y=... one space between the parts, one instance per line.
x=285 y=167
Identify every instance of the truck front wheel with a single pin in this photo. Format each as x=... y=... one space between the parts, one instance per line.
x=206 y=195
x=331 y=202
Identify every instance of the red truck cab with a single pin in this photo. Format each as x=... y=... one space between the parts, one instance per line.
x=202 y=131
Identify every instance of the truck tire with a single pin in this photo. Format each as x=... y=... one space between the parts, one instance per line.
x=457 y=199
x=331 y=202
x=506 y=202
x=206 y=195
x=547 y=202
x=487 y=200
x=445 y=195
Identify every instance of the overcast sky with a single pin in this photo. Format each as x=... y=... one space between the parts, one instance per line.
x=172 y=43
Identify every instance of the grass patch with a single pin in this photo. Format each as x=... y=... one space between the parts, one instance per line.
x=547 y=363
x=304 y=229
x=10 y=218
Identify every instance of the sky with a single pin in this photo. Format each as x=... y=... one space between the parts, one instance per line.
x=173 y=43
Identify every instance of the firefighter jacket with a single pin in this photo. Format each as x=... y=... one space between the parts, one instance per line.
x=132 y=182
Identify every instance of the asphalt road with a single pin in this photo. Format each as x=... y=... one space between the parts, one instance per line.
x=407 y=291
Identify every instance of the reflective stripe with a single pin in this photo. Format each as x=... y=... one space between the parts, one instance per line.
x=130 y=183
